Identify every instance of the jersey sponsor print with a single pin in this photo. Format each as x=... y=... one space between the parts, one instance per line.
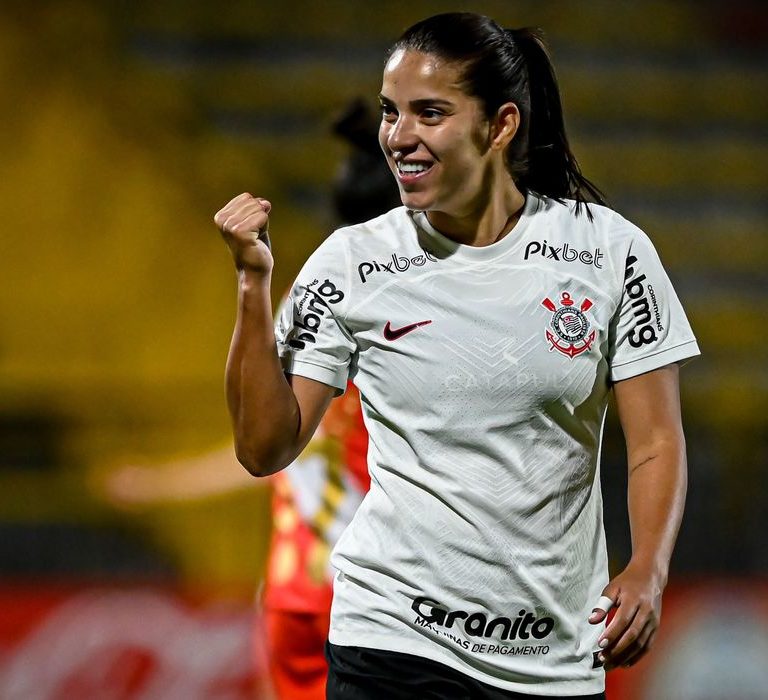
x=564 y=252
x=645 y=306
x=312 y=309
x=484 y=375
x=523 y=633
x=393 y=264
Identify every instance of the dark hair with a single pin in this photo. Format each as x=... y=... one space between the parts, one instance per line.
x=363 y=187
x=511 y=65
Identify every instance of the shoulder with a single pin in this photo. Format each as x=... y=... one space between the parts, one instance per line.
x=589 y=218
x=378 y=232
x=349 y=247
x=600 y=235
x=599 y=224
x=382 y=229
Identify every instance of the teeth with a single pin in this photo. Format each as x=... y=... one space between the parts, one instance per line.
x=412 y=167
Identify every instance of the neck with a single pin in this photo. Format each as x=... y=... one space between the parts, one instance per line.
x=485 y=224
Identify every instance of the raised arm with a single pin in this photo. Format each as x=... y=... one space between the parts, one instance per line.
x=273 y=416
x=649 y=411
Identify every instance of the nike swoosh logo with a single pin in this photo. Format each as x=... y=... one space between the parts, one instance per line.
x=395 y=333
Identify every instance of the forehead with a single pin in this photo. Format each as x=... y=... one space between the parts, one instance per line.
x=408 y=70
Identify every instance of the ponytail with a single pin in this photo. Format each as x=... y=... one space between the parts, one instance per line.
x=542 y=160
x=511 y=65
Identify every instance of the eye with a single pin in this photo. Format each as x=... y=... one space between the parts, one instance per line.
x=388 y=112
x=431 y=114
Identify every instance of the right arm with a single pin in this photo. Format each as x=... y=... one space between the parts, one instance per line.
x=273 y=415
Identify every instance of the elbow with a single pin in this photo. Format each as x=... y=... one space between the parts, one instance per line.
x=264 y=447
x=258 y=463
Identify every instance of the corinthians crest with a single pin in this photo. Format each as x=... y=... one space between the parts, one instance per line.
x=571 y=334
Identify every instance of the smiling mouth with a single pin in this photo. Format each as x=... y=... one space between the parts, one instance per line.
x=410 y=171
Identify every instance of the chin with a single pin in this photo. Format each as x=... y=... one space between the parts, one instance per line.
x=415 y=201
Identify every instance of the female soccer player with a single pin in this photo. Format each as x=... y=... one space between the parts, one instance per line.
x=484 y=323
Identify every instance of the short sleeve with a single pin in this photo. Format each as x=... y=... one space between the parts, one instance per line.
x=312 y=339
x=649 y=329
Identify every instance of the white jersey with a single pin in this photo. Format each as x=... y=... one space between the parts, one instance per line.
x=484 y=374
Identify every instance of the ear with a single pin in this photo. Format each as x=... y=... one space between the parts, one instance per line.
x=504 y=125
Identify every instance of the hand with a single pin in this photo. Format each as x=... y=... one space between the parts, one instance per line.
x=244 y=225
x=636 y=595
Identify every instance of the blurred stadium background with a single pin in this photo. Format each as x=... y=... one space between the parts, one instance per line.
x=126 y=125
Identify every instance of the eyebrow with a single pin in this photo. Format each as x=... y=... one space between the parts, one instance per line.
x=420 y=104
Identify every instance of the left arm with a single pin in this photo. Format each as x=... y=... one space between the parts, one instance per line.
x=649 y=411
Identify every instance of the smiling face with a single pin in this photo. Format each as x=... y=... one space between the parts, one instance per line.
x=435 y=137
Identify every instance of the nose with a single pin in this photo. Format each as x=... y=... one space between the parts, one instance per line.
x=401 y=135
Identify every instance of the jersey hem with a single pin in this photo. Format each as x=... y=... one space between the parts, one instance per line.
x=310 y=370
x=685 y=351
x=543 y=687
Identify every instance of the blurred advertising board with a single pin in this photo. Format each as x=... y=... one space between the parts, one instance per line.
x=126 y=643
x=152 y=642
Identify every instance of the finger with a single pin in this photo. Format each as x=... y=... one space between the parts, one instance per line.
x=644 y=622
x=253 y=206
x=636 y=650
x=617 y=626
x=601 y=609
x=235 y=201
x=229 y=218
x=631 y=661
x=255 y=223
x=632 y=639
x=235 y=218
x=243 y=197
x=231 y=206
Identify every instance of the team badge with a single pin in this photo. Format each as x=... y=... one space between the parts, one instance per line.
x=571 y=327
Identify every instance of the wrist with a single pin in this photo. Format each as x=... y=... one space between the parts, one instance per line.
x=651 y=567
x=251 y=280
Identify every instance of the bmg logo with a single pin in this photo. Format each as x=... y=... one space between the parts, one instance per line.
x=309 y=318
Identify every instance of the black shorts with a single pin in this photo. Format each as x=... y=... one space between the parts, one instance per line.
x=357 y=673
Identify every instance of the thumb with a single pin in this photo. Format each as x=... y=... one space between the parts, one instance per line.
x=600 y=611
x=265 y=203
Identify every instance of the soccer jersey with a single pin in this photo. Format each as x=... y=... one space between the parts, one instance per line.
x=484 y=374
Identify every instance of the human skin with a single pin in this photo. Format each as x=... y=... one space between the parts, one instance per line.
x=429 y=121
x=649 y=411
x=459 y=177
x=273 y=415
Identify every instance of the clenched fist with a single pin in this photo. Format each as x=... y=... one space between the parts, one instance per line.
x=244 y=224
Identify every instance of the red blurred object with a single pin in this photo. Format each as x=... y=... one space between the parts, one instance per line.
x=712 y=645
x=121 y=643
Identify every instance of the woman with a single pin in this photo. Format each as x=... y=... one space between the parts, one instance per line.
x=484 y=323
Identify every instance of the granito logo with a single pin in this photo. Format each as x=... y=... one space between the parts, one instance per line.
x=524 y=626
x=398 y=263
x=564 y=252
x=312 y=309
x=643 y=333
